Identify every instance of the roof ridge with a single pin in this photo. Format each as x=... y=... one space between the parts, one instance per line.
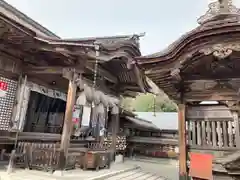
x=127 y=36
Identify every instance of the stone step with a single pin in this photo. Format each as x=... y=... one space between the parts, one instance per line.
x=136 y=175
x=124 y=175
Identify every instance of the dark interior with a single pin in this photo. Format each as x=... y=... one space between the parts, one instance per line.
x=44 y=114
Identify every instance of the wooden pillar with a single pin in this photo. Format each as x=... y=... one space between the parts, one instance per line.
x=115 y=127
x=67 y=127
x=183 y=175
x=237 y=130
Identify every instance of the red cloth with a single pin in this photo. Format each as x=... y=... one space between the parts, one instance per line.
x=201 y=165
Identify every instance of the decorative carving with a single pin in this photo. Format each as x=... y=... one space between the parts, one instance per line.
x=221 y=51
x=218 y=8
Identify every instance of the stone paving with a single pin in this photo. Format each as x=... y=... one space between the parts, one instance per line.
x=166 y=168
x=137 y=174
x=137 y=169
x=67 y=175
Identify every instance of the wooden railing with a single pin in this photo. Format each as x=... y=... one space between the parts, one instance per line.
x=211 y=134
x=43 y=156
x=46 y=156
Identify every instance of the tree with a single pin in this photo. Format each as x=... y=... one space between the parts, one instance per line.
x=148 y=103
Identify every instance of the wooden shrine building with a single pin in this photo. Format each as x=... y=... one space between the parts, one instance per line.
x=46 y=78
x=203 y=65
x=144 y=138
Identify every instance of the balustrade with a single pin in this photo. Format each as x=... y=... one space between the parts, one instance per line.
x=211 y=134
x=212 y=128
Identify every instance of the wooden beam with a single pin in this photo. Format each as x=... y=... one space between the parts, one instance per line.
x=211 y=98
x=67 y=128
x=220 y=76
x=104 y=73
x=115 y=129
x=209 y=80
x=99 y=87
x=139 y=78
x=48 y=69
x=209 y=92
x=123 y=87
x=10 y=65
x=213 y=94
x=43 y=82
x=183 y=175
x=16 y=52
x=156 y=71
x=43 y=70
x=86 y=52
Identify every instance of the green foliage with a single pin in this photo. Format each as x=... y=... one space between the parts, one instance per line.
x=148 y=103
x=127 y=104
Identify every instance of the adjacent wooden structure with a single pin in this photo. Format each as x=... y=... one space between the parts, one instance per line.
x=146 y=139
x=203 y=66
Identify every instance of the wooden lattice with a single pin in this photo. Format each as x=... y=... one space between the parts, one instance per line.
x=6 y=103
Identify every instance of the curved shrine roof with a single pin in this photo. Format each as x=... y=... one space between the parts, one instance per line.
x=115 y=53
x=203 y=61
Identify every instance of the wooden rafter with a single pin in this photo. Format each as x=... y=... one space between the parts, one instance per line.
x=104 y=73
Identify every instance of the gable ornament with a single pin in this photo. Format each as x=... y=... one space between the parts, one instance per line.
x=220 y=51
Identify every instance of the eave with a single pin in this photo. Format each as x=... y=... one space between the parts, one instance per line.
x=75 y=54
x=187 y=43
x=181 y=65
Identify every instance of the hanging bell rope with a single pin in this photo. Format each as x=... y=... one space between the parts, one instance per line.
x=96 y=66
x=95 y=70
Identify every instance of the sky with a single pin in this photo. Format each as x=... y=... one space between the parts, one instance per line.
x=162 y=21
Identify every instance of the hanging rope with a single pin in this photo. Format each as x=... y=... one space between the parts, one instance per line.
x=94 y=115
x=95 y=70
